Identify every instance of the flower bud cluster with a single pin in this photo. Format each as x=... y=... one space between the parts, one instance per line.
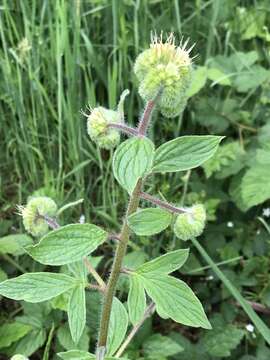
x=35 y=212
x=191 y=223
x=164 y=70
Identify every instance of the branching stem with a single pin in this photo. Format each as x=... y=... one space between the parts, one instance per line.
x=94 y=273
x=124 y=128
x=163 y=204
x=120 y=250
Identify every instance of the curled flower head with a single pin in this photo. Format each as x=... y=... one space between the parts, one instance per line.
x=191 y=223
x=165 y=69
x=35 y=212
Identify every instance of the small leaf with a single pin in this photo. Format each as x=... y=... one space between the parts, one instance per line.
x=185 y=152
x=166 y=263
x=67 y=244
x=36 y=287
x=157 y=346
x=136 y=299
x=199 y=78
x=12 y=332
x=117 y=326
x=132 y=160
x=77 y=312
x=13 y=244
x=175 y=299
x=149 y=221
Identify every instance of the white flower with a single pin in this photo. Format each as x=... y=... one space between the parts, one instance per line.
x=266 y=212
x=250 y=328
x=230 y=224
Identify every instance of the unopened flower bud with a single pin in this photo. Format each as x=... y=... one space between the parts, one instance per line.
x=165 y=69
x=35 y=212
x=98 y=124
x=191 y=223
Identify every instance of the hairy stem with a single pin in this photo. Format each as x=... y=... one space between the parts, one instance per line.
x=162 y=204
x=148 y=312
x=124 y=128
x=120 y=250
x=94 y=273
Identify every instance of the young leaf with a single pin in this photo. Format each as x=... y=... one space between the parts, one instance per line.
x=185 y=152
x=136 y=299
x=149 y=221
x=166 y=263
x=77 y=312
x=12 y=332
x=117 y=326
x=133 y=159
x=36 y=287
x=67 y=244
x=175 y=299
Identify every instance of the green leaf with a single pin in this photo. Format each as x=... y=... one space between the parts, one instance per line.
x=157 y=346
x=176 y=300
x=29 y=344
x=117 y=326
x=13 y=244
x=218 y=77
x=76 y=355
x=149 y=221
x=185 y=152
x=132 y=160
x=12 y=332
x=222 y=340
x=166 y=263
x=254 y=180
x=67 y=244
x=77 y=312
x=136 y=299
x=64 y=338
x=36 y=287
x=199 y=78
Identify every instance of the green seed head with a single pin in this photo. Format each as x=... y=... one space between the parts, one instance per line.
x=33 y=214
x=165 y=69
x=191 y=223
x=98 y=130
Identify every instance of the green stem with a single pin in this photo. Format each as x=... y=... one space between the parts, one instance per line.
x=116 y=268
x=261 y=326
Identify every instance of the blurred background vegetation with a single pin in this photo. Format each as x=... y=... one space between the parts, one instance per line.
x=59 y=56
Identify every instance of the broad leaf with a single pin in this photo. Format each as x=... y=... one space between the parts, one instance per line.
x=67 y=244
x=12 y=332
x=13 y=244
x=36 y=287
x=165 y=264
x=176 y=300
x=199 y=78
x=29 y=344
x=132 y=160
x=185 y=152
x=76 y=355
x=64 y=338
x=157 y=346
x=255 y=185
x=136 y=299
x=221 y=341
x=77 y=312
x=149 y=221
x=117 y=326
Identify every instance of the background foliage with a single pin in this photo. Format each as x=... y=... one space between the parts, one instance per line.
x=58 y=56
